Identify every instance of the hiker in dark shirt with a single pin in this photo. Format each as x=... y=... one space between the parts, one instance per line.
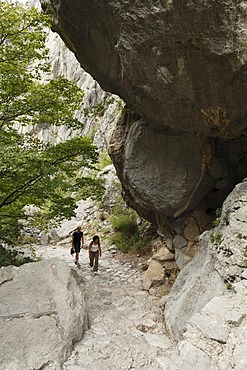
x=77 y=243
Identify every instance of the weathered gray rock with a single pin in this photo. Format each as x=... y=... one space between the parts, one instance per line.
x=230 y=309
x=188 y=146
x=228 y=239
x=205 y=277
x=197 y=284
x=181 y=258
x=209 y=327
x=169 y=245
x=244 y=274
x=153 y=275
x=153 y=55
x=189 y=357
x=6 y=274
x=112 y=186
x=179 y=242
x=218 y=330
x=159 y=264
x=153 y=179
x=44 y=238
x=42 y=314
x=240 y=356
x=163 y=254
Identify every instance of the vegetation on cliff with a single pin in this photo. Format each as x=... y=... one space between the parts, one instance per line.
x=32 y=172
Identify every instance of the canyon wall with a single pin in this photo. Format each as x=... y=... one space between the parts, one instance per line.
x=181 y=68
x=99 y=111
x=179 y=145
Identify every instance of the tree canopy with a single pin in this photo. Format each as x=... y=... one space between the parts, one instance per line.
x=33 y=172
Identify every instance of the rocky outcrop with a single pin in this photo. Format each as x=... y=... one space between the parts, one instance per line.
x=179 y=64
x=214 y=337
x=180 y=67
x=42 y=314
x=161 y=177
x=206 y=306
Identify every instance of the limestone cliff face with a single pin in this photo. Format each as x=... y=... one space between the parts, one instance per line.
x=98 y=108
x=181 y=68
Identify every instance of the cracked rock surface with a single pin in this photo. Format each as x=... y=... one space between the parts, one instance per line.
x=126 y=328
x=42 y=312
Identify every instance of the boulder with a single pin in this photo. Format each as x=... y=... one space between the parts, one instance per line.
x=42 y=314
x=217 y=266
x=191 y=230
x=182 y=259
x=179 y=242
x=154 y=275
x=163 y=255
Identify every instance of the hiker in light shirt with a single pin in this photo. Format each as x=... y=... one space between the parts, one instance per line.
x=94 y=253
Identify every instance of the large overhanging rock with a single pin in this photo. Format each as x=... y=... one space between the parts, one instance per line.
x=180 y=64
x=167 y=173
x=42 y=314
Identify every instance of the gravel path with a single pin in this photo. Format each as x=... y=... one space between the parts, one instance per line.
x=126 y=323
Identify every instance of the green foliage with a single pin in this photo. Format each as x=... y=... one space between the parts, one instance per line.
x=105 y=160
x=33 y=172
x=216 y=237
x=216 y=222
x=124 y=243
x=29 y=94
x=99 y=109
x=125 y=224
x=220 y=217
x=126 y=235
x=12 y=258
x=225 y=218
x=218 y=213
x=229 y=286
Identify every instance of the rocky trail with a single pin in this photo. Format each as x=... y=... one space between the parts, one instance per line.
x=126 y=327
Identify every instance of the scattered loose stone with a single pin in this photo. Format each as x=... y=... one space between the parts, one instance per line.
x=126 y=323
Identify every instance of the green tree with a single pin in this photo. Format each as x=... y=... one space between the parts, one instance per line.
x=34 y=172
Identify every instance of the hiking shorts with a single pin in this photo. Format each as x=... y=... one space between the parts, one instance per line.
x=77 y=247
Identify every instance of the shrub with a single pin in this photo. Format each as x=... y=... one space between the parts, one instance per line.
x=12 y=258
x=126 y=235
x=120 y=241
x=105 y=160
x=125 y=224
